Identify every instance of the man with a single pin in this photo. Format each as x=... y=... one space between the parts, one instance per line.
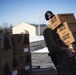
x=55 y=47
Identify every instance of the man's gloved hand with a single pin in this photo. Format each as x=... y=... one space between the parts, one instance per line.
x=70 y=51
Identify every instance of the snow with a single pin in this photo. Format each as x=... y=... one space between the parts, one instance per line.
x=44 y=50
x=36 y=38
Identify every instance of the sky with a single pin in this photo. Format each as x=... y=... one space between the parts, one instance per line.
x=32 y=11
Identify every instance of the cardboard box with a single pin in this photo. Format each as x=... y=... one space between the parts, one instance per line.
x=68 y=37
x=60 y=18
x=5 y=53
x=6 y=50
x=67 y=32
x=20 y=39
x=44 y=71
x=66 y=26
x=12 y=52
x=5 y=42
x=24 y=65
x=20 y=44
x=24 y=61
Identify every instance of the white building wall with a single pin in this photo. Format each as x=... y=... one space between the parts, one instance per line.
x=20 y=28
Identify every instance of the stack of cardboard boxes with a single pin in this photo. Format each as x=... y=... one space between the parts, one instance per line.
x=65 y=25
x=15 y=56
x=21 y=51
x=5 y=54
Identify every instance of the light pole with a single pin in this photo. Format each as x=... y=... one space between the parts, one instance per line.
x=38 y=22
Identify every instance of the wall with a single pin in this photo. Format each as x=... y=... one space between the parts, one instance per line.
x=20 y=28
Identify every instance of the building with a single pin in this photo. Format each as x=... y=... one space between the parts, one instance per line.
x=42 y=27
x=22 y=28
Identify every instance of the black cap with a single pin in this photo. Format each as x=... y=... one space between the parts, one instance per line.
x=49 y=15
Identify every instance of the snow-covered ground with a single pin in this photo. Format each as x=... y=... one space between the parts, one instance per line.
x=44 y=50
x=39 y=56
x=36 y=38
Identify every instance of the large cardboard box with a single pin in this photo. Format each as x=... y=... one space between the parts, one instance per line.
x=5 y=54
x=44 y=71
x=20 y=39
x=14 y=53
x=60 y=18
x=68 y=37
x=21 y=50
x=20 y=44
x=25 y=64
x=67 y=32
x=66 y=26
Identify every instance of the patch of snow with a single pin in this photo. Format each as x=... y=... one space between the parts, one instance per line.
x=44 y=50
x=36 y=38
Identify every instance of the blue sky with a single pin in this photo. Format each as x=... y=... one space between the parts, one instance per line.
x=17 y=11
